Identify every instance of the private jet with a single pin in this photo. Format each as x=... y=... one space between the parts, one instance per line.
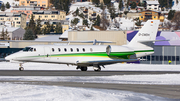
x=96 y=56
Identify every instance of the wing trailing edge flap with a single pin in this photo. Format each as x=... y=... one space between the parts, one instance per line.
x=103 y=62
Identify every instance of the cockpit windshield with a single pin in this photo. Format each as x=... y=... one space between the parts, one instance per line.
x=26 y=49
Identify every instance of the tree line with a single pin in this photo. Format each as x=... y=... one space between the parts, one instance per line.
x=3 y=7
x=34 y=28
x=61 y=4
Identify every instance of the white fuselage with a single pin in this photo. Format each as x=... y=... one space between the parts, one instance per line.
x=71 y=54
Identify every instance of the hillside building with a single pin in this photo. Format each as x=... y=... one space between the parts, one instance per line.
x=151 y=15
x=40 y=3
x=14 y=33
x=152 y=5
x=16 y=19
x=27 y=10
x=91 y=12
x=49 y=15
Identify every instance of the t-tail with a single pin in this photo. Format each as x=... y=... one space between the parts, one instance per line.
x=142 y=43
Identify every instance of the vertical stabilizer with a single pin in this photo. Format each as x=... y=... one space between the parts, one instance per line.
x=145 y=35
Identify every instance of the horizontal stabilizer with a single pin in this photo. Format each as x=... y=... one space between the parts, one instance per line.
x=141 y=41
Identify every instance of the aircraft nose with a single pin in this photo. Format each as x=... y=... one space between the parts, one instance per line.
x=9 y=57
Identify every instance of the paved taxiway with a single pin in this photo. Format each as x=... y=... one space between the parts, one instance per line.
x=169 y=91
x=77 y=73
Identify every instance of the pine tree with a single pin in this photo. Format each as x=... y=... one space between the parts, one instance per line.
x=52 y=28
x=77 y=12
x=61 y=4
x=44 y=30
x=133 y=5
x=6 y=35
x=107 y=2
x=32 y=23
x=48 y=29
x=102 y=6
x=58 y=28
x=120 y=5
x=3 y=34
x=165 y=3
x=95 y=2
x=85 y=22
x=112 y=11
x=92 y=28
x=176 y=20
x=7 y=5
x=29 y=35
x=171 y=14
x=98 y=20
x=81 y=15
x=38 y=27
x=75 y=21
x=2 y=7
x=127 y=5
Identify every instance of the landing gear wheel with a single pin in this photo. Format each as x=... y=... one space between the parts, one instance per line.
x=83 y=68
x=21 y=68
x=97 y=70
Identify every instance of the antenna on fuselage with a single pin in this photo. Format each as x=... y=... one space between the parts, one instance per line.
x=94 y=42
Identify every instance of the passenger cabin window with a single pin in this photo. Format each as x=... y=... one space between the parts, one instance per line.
x=83 y=50
x=71 y=50
x=35 y=49
x=65 y=49
x=77 y=49
x=52 y=49
x=59 y=49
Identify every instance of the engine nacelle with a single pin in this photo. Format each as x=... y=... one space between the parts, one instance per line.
x=108 y=50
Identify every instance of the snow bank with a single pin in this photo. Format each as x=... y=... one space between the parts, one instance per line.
x=13 y=92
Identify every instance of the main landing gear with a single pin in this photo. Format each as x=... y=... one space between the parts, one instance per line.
x=97 y=68
x=21 y=68
x=83 y=68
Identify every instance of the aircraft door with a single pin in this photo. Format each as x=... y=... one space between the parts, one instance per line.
x=47 y=53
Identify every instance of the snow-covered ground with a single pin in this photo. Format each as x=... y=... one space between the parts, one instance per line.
x=176 y=6
x=11 y=2
x=24 y=92
x=21 y=92
x=113 y=67
x=166 y=79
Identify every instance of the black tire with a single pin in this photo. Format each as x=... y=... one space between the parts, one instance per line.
x=98 y=70
x=21 y=68
x=83 y=68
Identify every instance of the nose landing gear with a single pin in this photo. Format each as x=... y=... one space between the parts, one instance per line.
x=21 y=68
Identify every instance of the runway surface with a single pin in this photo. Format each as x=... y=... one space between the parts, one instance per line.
x=77 y=73
x=168 y=91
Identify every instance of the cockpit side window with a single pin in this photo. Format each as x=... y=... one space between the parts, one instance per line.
x=31 y=49
x=26 y=49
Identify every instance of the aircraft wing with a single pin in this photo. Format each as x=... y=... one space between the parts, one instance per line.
x=105 y=62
